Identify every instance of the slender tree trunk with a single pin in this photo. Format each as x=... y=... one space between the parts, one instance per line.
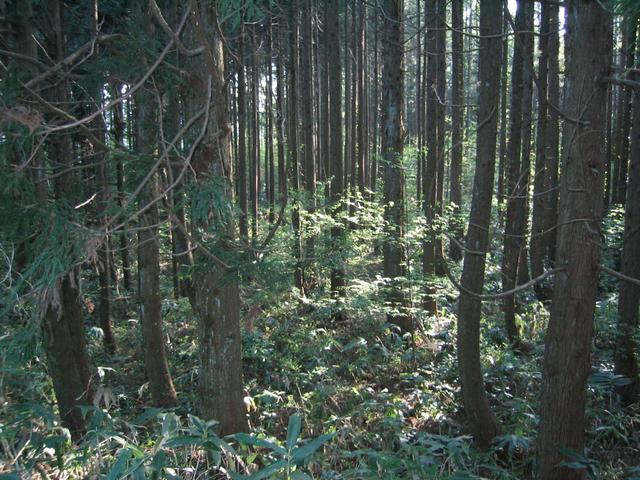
x=306 y=78
x=161 y=386
x=293 y=144
x=483 y=422
x=553 y=134
x=220 y=384
x=62 y=322
x=540 y=186
x=517 y=177
x=243 y=179
x=254 y=163
x=626 y=362
x=441 y=90
x=627 y=57
x=118 y=134
x=430 y=173
x=394 y=262
x=271 y=178
x=457 y=111
x=569 y=335
x=336 y=144
x=504 y=99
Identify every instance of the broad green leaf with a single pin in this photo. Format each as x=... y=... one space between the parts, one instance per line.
x=259 y=442
x=121 y=463
x=293 y=430
x=300 y=454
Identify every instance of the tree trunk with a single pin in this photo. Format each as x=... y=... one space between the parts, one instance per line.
x=220 y=384
x=306 y=78
x=476 y=404
x=337 y=160
x=626 y=362
x=540 y=186
x=457 y=111
x=569 y=335
x=242 y=179
x=430 y=172
x=63 y=322
x=161 y=386
x=627 y=57
x=441 y=91
x=553 y=134
x=395 y=257
x=293 y=144
x=517 y=177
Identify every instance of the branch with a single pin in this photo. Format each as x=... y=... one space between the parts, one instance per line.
x=619 y=275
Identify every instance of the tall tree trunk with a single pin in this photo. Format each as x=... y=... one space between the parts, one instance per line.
x=242 y=178
x=457 y=111
x=181 y=249
x=476 y=404
x=394 y=261
x=553 y=134
x=220 y=384
x=627 y=57
x=540 y=186
x=306 y=79
x=119 y=126
x=271 y=178
x=568 y=341
x=254 y=163
x=293 y=144
x=517 y=177
x=62 y=321
x=337 y=160
x=161 y=386
x=441 y=91
x=430 y=173
x=504 y=100
x=626 y=362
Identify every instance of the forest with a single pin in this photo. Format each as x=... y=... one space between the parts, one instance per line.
x=319 y=239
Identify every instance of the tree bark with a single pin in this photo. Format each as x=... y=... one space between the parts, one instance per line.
x=336 y=146
x=457 y=112
x=483 y=422
x=161 y=386
x=626 y=362
x=394 y=252
x=517 y=175
x=569 y=335
x=220 y=384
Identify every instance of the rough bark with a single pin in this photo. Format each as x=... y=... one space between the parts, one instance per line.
x=335 y=120
x=627 y=57
x=569 y=335
x=540 y=186
x=220 y=384
x=163 y=393
x=517 y=173
x=626 y=361
x=430 y=173
x=457 y=111
x=63 y=321
x=483 y=422
x=394 y=251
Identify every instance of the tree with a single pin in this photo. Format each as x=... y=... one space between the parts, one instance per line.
x=626 y=362
x=394 y=262
x=217 y=298
x=476 y=404
x=457 y=111
x=335 y=122
x=569 y=334
x=517 y=167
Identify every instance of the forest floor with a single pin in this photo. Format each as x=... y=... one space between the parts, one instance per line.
x=391 y=403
